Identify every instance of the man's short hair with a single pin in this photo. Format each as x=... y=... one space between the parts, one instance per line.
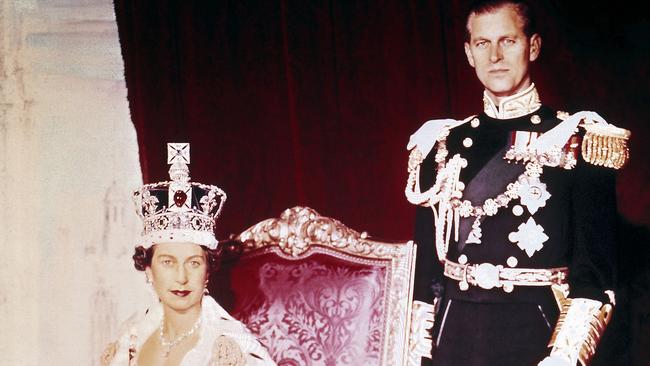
x=522 y=7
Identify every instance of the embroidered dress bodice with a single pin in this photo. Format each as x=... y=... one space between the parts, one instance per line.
x=216 y=327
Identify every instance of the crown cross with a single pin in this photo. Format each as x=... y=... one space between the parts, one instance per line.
x=178 y=153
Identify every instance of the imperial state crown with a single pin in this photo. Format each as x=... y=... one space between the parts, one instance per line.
x=179 y=211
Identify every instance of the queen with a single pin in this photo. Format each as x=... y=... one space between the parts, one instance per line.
x=177 y=251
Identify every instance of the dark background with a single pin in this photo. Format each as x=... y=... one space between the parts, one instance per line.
x=312 y=102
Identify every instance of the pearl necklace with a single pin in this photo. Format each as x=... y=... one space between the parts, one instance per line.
x=171 y=344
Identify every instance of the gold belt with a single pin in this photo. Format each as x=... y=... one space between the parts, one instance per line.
x=488 y=276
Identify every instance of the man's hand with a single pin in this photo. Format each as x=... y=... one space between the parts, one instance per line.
x=554 y=361
x=425 y=137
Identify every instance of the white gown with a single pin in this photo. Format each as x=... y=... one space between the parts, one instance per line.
x=223 y=340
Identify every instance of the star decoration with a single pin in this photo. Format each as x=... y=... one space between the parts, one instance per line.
x=532 y=193
x=529 y=237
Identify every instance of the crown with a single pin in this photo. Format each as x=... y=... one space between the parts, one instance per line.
x=179 y=210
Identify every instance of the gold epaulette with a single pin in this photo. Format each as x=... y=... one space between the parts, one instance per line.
x=605 y=145
x=579 y=328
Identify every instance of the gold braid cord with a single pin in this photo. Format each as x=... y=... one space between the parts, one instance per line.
x=605 y=145
x=412 y=190
x=579 y=328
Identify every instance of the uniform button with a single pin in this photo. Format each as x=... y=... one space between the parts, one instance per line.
x=467 y=142
x=508 y=287
x=535 y=119
x=464 y=286
x=475 y=123
x=462 y=259
x=512 y=262
x=517 y=210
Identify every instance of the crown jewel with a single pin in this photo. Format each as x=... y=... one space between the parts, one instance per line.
x=179 y=210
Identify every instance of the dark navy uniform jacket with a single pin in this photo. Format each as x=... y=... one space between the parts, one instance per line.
x=579 y=218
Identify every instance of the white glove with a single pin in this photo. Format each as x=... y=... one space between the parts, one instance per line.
x=554 y=361
x=560 y=134
x=425 y=137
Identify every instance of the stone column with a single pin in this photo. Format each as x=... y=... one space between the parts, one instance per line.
x=19 y=259
x=68 y=162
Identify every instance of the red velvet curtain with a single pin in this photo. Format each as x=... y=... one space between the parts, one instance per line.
x=294 y=102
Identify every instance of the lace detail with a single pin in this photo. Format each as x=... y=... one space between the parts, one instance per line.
x=227 y=353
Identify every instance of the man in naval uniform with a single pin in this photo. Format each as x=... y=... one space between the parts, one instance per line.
x=516 y=213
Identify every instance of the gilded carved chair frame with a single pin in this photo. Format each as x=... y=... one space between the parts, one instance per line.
x=300 y=232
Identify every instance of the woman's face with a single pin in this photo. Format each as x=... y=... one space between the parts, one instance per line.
x=179 y=272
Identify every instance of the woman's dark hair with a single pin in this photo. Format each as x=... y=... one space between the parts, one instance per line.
x=142 y=257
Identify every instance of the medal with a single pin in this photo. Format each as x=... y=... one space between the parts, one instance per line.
x=474 y=236
x=529 y=237
x=532 y=193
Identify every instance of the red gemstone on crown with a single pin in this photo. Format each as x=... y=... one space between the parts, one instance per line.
x=179 y=198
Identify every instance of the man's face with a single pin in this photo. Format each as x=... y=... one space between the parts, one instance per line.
x=178 y=272
x=500 y=52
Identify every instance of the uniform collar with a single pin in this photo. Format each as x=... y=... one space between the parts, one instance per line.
x=520 y=104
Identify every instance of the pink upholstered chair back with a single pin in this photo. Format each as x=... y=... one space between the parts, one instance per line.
x=316 y=292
